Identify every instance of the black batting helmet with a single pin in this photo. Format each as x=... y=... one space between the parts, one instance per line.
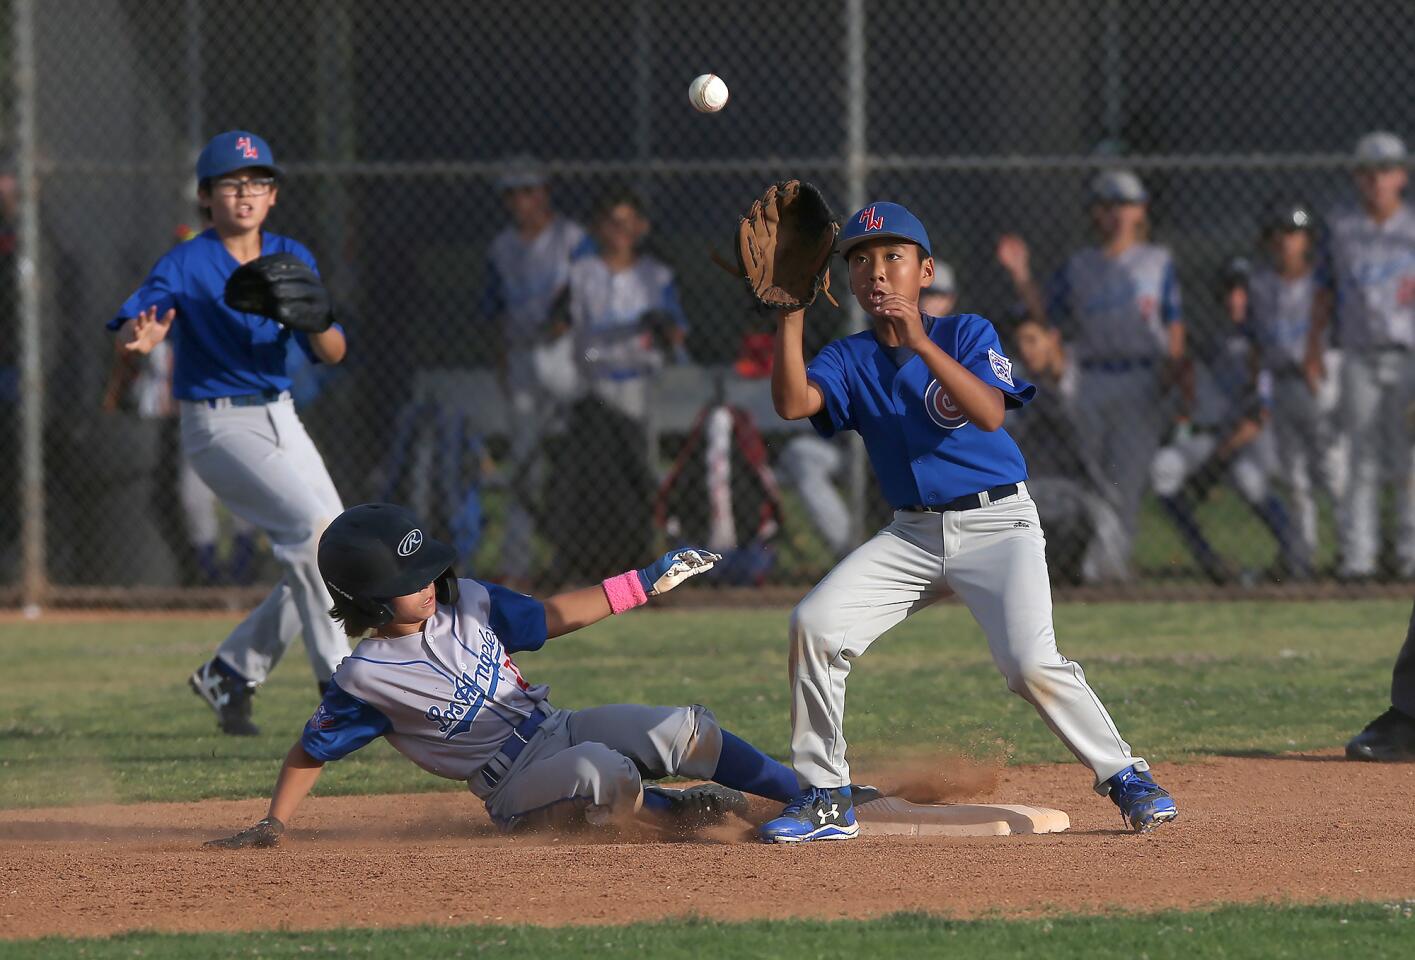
x=1288 y=215
x=377 y=551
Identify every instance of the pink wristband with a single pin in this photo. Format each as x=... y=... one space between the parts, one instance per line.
x=625 y=592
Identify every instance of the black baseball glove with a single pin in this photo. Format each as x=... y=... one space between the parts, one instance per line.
x=263 y=834
x=284 y=288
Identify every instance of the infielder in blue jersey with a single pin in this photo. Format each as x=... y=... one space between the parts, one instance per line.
x=239 y=428
x=927 y=395
x=436 y=678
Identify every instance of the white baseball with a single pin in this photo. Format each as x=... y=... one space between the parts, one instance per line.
x=707 y=94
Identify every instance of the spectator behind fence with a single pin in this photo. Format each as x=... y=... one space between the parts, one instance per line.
x=1366 y=268
x=1085 y=538
x=1118 y=305
x=528 y=266
x=623 y=321
x=1227 y=440
x=1311 y=450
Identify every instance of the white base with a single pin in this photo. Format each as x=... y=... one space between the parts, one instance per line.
x=897 y=817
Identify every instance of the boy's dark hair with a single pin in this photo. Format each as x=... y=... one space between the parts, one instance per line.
x=355 y=624
x=619 y=197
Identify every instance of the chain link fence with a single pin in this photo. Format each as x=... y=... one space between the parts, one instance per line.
x=444 y=160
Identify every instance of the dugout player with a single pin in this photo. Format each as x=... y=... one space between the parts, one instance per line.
x=436 y=679
x=1118 y=305
x=239 y=428
x=927 y=396
x=1366 y=279
x=528 y=266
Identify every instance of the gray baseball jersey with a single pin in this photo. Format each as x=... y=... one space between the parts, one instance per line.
x=446 y=697
x=1371 y=267
x=1279 y=316
x=1116 y=308
x=524 y=279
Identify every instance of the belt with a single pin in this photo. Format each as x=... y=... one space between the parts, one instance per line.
x=511 y=748
x=1118 y=366
x=247 y=399
x=971 y=502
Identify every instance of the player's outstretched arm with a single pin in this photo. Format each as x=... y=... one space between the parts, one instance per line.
x=568 y=612
x=793 y=396
x=297 y=777
x=330 y=346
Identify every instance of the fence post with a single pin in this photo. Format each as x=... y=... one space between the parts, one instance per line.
x=856 y=177
x=34 y=578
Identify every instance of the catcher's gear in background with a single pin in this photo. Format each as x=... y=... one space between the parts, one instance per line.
x=284 y=288
x=784 y=244
x=263 y=834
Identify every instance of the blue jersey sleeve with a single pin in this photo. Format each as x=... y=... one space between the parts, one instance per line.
x=340 y=725
x=517 y=619
x=1058 y=297
x=829 y=371
x=1170 y=303
x=980 y=351
x=158 y=290
x=585 y=248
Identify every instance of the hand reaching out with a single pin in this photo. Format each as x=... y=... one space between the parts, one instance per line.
x=148 y=331
x=1013 y=255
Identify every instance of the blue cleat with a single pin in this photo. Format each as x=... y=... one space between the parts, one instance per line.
x=817 y=814
x=1143 y=803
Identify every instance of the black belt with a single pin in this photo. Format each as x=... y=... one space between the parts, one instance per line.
x=513 y=745
x=971 y=502
x=248 y=399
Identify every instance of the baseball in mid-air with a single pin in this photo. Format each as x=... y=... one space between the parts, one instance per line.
x=707 y=94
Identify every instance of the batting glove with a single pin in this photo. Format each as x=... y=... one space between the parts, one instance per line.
x=674 y=567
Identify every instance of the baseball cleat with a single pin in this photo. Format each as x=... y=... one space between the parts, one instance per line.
x=229 y=698
x=700 y=806
x=1390 y=738
x=863 y=793
x=1143 y=803
x=817 y=814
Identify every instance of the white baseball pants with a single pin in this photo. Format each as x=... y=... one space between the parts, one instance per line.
x=994 y=559
x=1377 y=392
x=263 y=466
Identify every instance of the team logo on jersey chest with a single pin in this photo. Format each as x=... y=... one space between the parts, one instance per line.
x=941 y=408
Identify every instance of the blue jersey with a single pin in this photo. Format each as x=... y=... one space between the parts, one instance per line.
x=217 y=351
x=924 y=450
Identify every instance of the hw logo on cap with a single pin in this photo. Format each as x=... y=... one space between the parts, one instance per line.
x=410 y=543
x=871 y=222
x=249 y=151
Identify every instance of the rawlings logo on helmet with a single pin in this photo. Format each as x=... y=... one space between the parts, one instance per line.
x=410 y=543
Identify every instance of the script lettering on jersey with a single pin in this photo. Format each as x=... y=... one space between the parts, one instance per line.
x=470 y=691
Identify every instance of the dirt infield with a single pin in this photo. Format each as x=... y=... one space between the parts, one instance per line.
x=1292 y=828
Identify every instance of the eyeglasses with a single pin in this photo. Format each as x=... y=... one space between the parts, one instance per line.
x=253 y=186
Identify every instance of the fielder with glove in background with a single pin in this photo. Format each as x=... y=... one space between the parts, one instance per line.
x=927 y=395
x=436 y=678
x=231 y=299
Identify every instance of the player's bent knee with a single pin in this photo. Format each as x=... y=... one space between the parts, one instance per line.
x=810 y=622
x=698 y=744
x=608 y=777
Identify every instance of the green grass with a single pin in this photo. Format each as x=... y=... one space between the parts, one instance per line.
x=101 y=712
x=1368 y=931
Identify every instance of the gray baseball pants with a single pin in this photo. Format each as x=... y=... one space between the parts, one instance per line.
x=994 y=559
x=1377 y=392
x=597 y=759
x=263 y=466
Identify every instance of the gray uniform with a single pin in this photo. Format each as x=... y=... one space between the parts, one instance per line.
x=1371 y=268
x=1311 y=450
x=524 y=281
x=450 y=699
x=1115 y=312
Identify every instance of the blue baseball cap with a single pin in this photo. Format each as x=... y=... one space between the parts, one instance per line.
x=235 y=150
x=883 y=219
